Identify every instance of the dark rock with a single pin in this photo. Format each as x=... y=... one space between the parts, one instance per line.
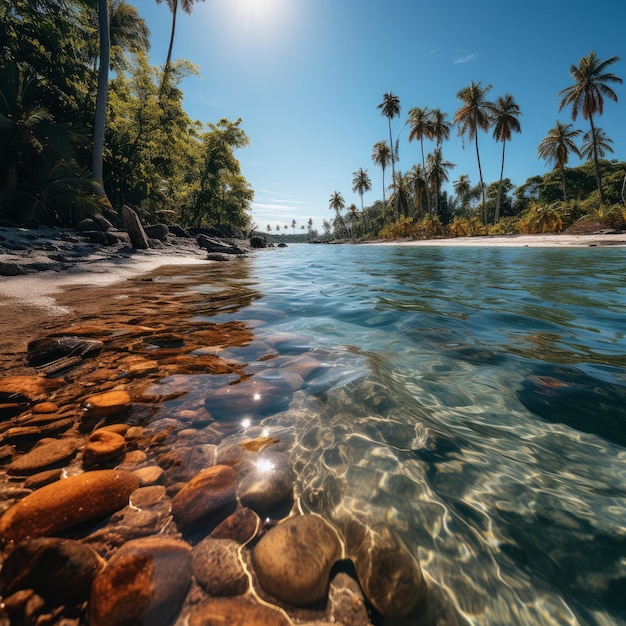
x=11 y=269
x=220 y=257
x=145 y=582
x=241 y=526
x=86 y=225
x=103 y=223
x=346 y=602
x=112 y=239
x=389 y=575
x=217 y=568
x=179 y=231
x=258 y=242
x=59 y=570
x=293 y=560
x=282 y=244
x=208 y=497
x=96 y=236
x=138 y=237
x=157 y=231
x=50 y=349
x=211 y=244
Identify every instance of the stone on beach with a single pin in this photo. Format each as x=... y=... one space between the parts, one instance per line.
x=293 y=560
x=66 y=503
x=206 y=498
x=108 y=404
x=145 y=582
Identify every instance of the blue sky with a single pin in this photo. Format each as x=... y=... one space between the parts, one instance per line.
x=306 y=77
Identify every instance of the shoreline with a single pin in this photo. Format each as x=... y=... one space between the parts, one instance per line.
x=517 y=241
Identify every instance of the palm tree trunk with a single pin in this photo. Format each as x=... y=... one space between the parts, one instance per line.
x=383 y=185
x=424 y=170
x=497 y=216
x=166 y=69
x=563 y=183
x=482 y=185
x=595 y=160
x=102 y=94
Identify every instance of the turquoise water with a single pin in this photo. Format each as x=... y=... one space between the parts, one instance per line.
x=473 y=400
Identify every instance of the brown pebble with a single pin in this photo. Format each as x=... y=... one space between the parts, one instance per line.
x=238 y=611
x=45 y=407
x=107 y=404
x=150 y=475
x=67 y=503
x=103 y=447
x=45 y=456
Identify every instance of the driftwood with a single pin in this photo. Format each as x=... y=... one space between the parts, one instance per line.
x=138 y=237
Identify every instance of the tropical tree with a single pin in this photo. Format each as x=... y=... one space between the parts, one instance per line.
x=101 y=96
x=555 y=148
x=293 y=226
x=381 y=155
x=474 y=115
x=437 y=172
x=361 y=183
x=463 y=190
x=438 y=129
x=505 y=112
x=600 y=140
x=420 y=125
x=128 y=32
x=187 y=7
x=390 y=108
x=402 y=196
x=336 y=202
x=587 y=95
x=416 y=178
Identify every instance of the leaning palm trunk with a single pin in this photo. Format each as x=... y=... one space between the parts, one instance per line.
x=595 y=160
x=168 y=61
x=499 y=200
x=102 y=94
x=482 y=185
x=563 y=183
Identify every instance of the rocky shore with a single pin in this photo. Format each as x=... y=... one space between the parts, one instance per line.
x=124 y=499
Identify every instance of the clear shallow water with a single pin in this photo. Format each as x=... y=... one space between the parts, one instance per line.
x=473 y=400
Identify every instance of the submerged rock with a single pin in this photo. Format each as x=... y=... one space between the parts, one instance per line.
x=207 y=498
x=49 y=349
x=66 y=503
x=236 y=611
x=294 y=559
x=45 y=456
x=217 y=568
x=145 y=582
x=59 y=570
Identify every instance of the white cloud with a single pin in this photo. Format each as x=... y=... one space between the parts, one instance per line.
x=467 y=59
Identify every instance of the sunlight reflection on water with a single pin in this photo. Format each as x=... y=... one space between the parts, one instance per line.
x=473 y=400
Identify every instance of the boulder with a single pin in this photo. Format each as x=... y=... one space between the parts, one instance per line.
x=49 y=349
x=236 y=612
x=293 y=560
x=212 y=244
x=208 y=497
x=217 y=568
x=44 y=457
x=138 y=237
x=145 y=582
x=157 y=231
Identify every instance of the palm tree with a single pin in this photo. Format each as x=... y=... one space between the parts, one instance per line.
x=463 y=189
x=187 y=7
x=390 y=108
x=353 y=216
x=417 y=182
x=420 y=124
x=438 y=129
x=587 y=95
x=474 y=115
x=556 y=147
x=381 y=155
x=601 y=141
x=101 y=96
x=401 y=197
x=505 y=113
x=437 y=172
x=293 y=226
x=336 y=202
x=361 y=183
x=128 y=31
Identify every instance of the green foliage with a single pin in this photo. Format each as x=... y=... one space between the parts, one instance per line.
x=466 y=227
x=402 y=228
x=540 y=219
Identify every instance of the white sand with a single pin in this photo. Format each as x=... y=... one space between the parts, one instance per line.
x=531 y=241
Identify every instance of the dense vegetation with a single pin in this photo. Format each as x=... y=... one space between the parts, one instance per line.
x=155 y=158
x=417 y=207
